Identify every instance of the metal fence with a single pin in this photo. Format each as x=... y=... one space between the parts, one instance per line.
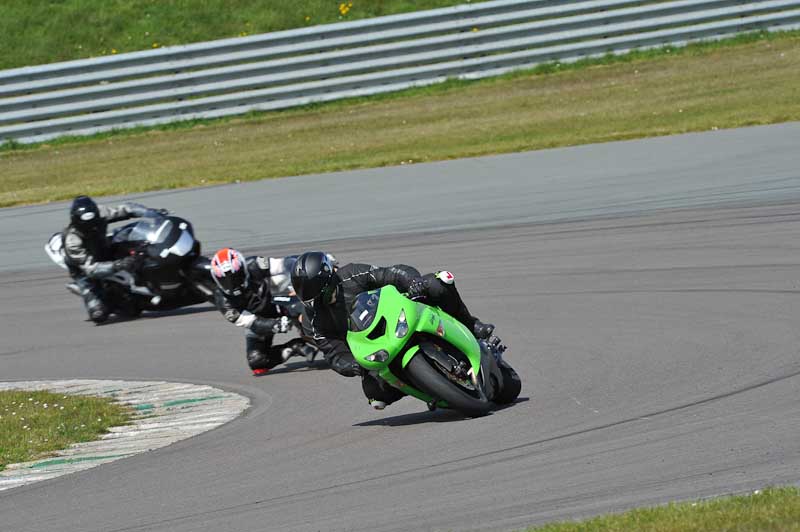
x=372 y=56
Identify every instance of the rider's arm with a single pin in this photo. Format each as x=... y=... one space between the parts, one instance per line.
x=335 y=350
x=122 y=212
x=77 y=255
x=339 y=356
x=248 y=320
x=358 y=277
x=400 y=276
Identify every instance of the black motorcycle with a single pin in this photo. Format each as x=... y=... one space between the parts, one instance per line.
x=170 y=271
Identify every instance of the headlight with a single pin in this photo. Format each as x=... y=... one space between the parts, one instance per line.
x=378 y=356
x=402 y=325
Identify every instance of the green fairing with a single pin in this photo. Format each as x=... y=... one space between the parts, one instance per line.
x=409 y=354
x=454 y=332
x=420 y=318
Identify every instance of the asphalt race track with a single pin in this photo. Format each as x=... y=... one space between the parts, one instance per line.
x=649 y=292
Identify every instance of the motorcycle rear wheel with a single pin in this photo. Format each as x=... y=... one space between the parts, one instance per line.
x=435 y=384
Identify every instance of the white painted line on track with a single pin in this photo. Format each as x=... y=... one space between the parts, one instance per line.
x=166 y=412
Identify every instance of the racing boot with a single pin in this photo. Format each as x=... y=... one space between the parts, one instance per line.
x=298 y=348
x=308 y=352
x=481 y=330
x=496 y=345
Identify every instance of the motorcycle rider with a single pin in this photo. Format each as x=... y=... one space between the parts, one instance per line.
x=245 y=297
x=87 y=250
x=327 y=293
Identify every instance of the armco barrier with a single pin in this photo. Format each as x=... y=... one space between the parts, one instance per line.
x=372 y=56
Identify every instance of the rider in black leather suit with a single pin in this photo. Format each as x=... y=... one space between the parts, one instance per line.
x=328 y=293
x=244 y=297
x=87 y=250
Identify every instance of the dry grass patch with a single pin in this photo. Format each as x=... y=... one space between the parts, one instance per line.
x=719 y=87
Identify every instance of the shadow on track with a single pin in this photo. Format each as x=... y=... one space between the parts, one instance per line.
x=153 y=314
x=435 y=416
x=183 y=311
x=298 y=367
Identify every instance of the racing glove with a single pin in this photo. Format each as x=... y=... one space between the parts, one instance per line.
x=281 y=325
x=127 y=264
x=417 y=288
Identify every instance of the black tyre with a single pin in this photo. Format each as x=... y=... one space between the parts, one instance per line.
x=121 y=303
x=435 y=384
x=511 y=385
x=129 y=309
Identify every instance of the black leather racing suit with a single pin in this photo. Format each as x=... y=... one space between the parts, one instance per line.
x=256 y=301
x=88 y=256
x=327 y=324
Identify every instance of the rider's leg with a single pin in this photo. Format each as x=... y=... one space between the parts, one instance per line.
x=262 y=356
x=92 y=296
x=443 y=293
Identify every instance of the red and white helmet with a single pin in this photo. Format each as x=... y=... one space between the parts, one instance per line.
x=229 y=271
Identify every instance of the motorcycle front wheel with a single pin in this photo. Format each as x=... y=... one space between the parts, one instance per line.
x=511 y=385
x=438 y=386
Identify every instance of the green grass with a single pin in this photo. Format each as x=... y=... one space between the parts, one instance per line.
x=34 y=424
x=746 y=81
x=774 y=509
x=43 y=31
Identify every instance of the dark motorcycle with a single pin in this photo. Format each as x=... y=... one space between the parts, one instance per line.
x=170 y=274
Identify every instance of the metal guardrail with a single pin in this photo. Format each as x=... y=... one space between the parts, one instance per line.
x=372 y=56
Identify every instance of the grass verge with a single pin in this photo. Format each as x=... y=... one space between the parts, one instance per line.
x=33 y=32
x=774 y=509
x=754 y=79
x=34 y=424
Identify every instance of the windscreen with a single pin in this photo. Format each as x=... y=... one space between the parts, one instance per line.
x=154 y=230
x=364 y=309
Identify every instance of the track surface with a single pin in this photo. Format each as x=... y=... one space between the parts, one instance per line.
x=658 y=349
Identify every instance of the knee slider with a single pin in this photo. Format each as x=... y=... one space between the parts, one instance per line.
x=98 y=315
x=98 y=312
x=437 y=288
x=256 y=359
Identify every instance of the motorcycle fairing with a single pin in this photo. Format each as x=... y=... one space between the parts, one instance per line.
x=385 y=311
x=55 y=250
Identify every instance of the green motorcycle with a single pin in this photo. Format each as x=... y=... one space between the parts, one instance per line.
x=426 y=353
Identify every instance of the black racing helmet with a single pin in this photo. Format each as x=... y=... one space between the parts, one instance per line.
x=84 y=214
x=313 y=278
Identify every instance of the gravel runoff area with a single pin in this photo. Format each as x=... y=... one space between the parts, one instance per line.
x=166 y=412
